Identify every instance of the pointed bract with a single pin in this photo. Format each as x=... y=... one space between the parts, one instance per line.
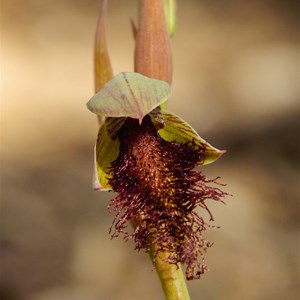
x=153 y=57
x=102 y=66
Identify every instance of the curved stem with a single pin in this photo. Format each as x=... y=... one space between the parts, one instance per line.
x=171 y=277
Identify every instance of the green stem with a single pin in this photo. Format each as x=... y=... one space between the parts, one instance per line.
x=171 y=278
x=170 y=275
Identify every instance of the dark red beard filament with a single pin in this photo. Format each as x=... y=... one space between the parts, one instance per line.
x=158 y=190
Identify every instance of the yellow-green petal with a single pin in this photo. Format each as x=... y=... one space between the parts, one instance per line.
x=177 y=130
x=106 y=151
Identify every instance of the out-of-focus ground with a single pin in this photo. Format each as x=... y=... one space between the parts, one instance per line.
x=236 y=81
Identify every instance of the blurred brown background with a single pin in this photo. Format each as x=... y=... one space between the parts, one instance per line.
x=235 y=80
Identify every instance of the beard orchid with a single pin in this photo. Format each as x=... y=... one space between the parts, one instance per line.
x=148 y=155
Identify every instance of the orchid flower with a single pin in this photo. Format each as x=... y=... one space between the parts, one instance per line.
x=147 y=154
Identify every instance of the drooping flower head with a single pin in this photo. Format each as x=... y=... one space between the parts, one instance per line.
x=148 y=155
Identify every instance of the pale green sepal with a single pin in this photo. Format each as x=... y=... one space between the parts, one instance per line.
x=129 y=95
x=177 y=130
x=170 y=12
x=106 y=151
